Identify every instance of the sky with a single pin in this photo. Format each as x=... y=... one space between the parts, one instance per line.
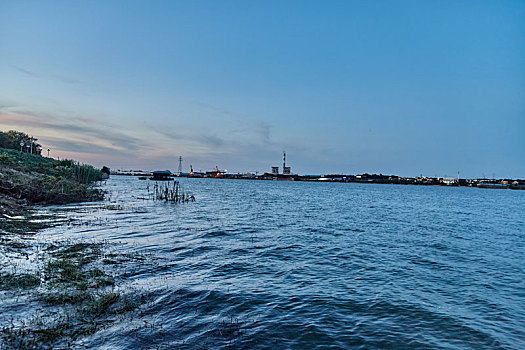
x=395 y=87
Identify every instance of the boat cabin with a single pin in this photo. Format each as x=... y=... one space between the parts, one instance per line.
x=161 y=175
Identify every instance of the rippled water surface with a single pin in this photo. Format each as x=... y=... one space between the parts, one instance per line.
x=269 y=264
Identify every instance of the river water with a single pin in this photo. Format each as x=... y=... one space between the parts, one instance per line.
x=303 y=265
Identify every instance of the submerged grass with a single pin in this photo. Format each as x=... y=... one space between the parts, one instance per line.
x=94 y=311
x=72 y=293
x=69 y=267
x=100 y=303
x=25 y=224
x=64 y=297
x=79 y=297
x=18 y=281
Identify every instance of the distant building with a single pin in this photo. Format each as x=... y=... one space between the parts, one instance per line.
x=449 y=180
x=286 y=169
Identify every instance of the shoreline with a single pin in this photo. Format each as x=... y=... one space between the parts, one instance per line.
x=54 y=293
x=473 y=183
x=69 y=288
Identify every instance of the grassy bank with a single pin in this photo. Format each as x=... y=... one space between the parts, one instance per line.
x=68 y=288
x=27 y=179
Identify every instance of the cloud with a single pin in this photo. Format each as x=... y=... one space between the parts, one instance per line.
x=80 y=147
x=60 y=78
x=25 y=71
x=216 y=109
x=72 y=129
x=260 y=128
x=89 y=139
x=203 y=139
x=226 y=139
x=243 y=124
x=212 y=140
x=66 y=79
x=265 y=130
x=167 y=132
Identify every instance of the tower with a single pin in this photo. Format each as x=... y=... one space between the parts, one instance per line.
x=180 y=166
x=284 y=160
x=286 y=169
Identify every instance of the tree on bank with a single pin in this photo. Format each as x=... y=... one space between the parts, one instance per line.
x=13 y=139
x=20 y=141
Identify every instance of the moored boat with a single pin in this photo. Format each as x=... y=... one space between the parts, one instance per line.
x=161 y=175
x=497 y=185
x=517 y=186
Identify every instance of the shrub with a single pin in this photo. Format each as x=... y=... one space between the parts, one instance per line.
x=7 y=159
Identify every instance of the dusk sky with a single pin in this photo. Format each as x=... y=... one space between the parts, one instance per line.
x=392 y=87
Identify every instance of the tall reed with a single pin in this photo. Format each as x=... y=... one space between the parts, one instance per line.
x=168 y=193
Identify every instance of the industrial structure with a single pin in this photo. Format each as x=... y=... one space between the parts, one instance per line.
x=286 y=169
x=180 y=166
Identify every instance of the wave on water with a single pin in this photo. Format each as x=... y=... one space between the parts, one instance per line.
x=266 y=264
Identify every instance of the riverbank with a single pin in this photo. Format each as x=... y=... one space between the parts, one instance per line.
x=30 y=179
x=27 y=179
x=53 y=293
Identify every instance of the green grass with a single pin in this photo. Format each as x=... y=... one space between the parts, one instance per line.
x=69 y=267
x=37 y=179
x=49 y=166
x=18 y=281
x=65 y=297
x=99 y=304
x=81 y=297
x=28 y=225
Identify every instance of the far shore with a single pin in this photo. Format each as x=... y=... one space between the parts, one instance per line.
x=514 y=184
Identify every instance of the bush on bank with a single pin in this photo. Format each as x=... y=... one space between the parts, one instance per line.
x=34 y=179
